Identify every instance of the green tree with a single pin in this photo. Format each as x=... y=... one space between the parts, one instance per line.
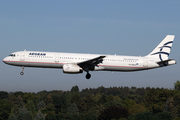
x=41 y=105
x=48 y=99
x=57 y=101
x=113 y=112
x=3 y=95
x=75 y=98
x=19 y=102
x=65 y=102
x=73 y=109
x=154 y=100
x=141 y=116
x=49 y=109
x=19 y=93
x=5 y=109
x=93 y=111
x=30 y=107
x=30 y=97
x=12 y=117
x=97 y=97
x=87 y=103
x=137 y=109
x=117 y=98
x=101 y=89
x=162 y=116
x=171 y=106
x=16 y=110
x=18 y=105
x=128 y=103
x=68 y=98
x=114 y=103
x=177 y=85
x=174 y=106
x=56 y=117
x=102 y=100
x=39 y=116
x=42 y=95
x=110 y=98
x=177 y=118
x=61 y=103
x=141 y=91
x=75 y=89
x=24 y=115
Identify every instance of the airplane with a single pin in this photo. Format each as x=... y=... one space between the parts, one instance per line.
x=74 y=63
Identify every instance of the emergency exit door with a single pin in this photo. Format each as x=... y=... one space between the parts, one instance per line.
x=56 y=58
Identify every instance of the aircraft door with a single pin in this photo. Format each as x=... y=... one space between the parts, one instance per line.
x=22 y=56
x=56 y=58
x=145 y=63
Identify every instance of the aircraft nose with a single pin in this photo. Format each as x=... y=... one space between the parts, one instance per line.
x=5 y=59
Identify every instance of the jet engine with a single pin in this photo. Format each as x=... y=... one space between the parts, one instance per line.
x=72 y=69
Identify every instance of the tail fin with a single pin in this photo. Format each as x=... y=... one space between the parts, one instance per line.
x=162 y=51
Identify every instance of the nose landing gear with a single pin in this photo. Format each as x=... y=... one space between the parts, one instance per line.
x=22 y=73
x=88 y=76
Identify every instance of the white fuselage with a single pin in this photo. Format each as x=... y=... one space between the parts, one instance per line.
x=57 y=60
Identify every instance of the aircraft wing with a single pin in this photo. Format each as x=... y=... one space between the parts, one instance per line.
x=90 y=64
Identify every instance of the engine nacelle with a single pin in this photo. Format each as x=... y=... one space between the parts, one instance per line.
x=72 y=69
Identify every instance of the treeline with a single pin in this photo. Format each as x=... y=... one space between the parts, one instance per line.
x=114 y=103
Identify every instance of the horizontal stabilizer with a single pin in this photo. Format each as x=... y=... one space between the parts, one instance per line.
x=167 y=62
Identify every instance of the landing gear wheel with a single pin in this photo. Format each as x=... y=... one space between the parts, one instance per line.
x=21 y=73
x=88 y=76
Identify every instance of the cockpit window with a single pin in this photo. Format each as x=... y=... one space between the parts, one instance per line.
x=12 y=55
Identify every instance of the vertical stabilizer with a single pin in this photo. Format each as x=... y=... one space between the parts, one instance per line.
x=162 y=51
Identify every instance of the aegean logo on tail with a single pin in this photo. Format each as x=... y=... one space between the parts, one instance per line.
x=161 y=50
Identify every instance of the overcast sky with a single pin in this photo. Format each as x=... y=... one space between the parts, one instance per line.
x=121 y=27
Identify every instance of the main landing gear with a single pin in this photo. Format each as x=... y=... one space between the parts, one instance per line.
x=22 y=73
x=88 y=76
